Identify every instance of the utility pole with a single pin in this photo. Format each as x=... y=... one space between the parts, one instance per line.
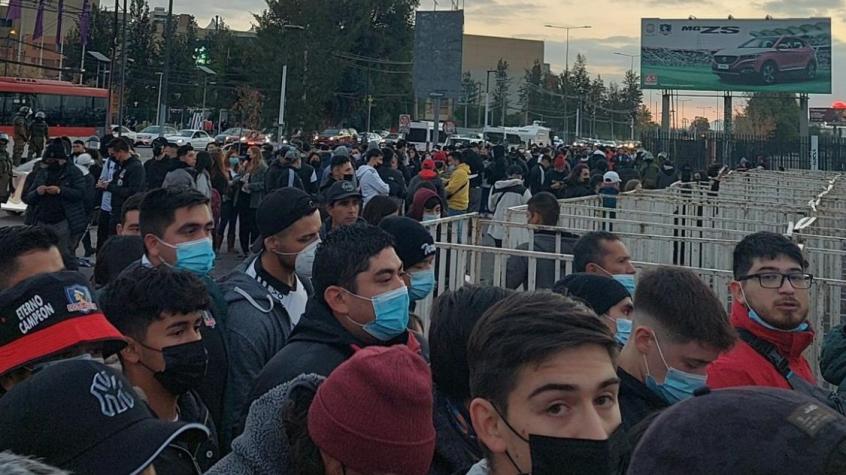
x=488 y=93
x=159 y=101
x=567 y=68
x=168 y=39
x=124 y=53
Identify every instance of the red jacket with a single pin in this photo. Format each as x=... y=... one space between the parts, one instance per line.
x=743 y=366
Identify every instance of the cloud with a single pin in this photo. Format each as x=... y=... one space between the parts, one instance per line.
x=801 y=8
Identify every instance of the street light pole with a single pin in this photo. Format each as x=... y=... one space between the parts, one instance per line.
x=281 y=119
x=566 y=67
x=159 y=101
x=488 y=94
x=168 y=38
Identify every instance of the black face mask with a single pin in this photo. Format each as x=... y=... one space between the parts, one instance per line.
x=349 y=177
x=185 y=366
x=565 y=456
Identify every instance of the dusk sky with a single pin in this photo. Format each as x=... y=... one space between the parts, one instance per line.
x=615 y=28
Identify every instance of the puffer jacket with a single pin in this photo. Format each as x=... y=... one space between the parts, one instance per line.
x=743 y=366
x=73 y=185
x=458 y=188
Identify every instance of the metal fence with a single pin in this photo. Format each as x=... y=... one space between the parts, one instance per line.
x=789 y=152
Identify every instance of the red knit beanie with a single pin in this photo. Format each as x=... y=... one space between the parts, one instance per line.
x=374 y=412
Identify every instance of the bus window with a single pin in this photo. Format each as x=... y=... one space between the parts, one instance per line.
x=493 y=137
x=76 y=110
x=416 y=135
x=513 y=139
x=51 y=106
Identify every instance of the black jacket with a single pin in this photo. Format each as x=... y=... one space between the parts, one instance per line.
x=636 y=400
x=456 y=445
x=306 y=172
x=395 y=181
x=280 y=176
x=192 y=409
x=477 y=167
x=155 y=171
x=129 y=179
x=317 y=345
x=538 y=179
x=577 y=190
x=72 y=196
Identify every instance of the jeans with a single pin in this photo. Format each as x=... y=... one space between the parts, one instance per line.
x=228 y=218
x=247 y=231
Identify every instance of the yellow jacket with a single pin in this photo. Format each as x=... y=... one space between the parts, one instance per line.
x=458 y=188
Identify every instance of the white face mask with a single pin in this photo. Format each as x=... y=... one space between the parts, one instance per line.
x=431 y=216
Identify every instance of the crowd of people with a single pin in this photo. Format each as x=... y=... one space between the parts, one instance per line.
x=309 y=357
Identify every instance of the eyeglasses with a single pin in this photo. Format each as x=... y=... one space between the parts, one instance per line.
x=774 y=280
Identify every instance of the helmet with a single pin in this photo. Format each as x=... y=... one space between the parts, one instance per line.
x=93 y=142
x=662 y=156
x=24 y=110
x=40 y=115
x=4 y=138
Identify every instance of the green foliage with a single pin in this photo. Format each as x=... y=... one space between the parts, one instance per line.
x=769 y=115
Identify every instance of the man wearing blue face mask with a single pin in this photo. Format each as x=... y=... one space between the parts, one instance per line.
x=603 y=253
x=605 y=296
x=680 y=328
x=416 y=249
x=360 y=299
x=177 y=227
x=265 y=297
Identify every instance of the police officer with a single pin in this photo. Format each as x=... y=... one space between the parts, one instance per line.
x=38 y=134
x=21 y=134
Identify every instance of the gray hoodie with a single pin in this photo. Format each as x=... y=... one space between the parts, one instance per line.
x=257 y=327
x=481 y=468
x=263 y=447
x=517 y=268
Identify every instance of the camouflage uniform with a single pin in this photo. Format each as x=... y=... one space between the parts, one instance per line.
x=38 y=133
x=5 y=172
x=21 y=137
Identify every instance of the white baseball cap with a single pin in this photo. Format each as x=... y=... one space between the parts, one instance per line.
x=611 y=177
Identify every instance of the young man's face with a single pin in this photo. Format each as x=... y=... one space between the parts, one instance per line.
x=189 y=224
x=691 y=357
x=785 y=307
x=572 y=394
x=382 y=275
x=171 y=330
x=622 y=309
x=294 y=239
x=32 y=263
x=615 y=260
x=190 y=158
x=129 y=226
x=342 y=170
x=345 y=211
x=170 y=151
x=78 y=149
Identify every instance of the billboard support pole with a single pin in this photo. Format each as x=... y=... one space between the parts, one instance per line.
x=727 y=128
x=803 y=127
x=665 y=118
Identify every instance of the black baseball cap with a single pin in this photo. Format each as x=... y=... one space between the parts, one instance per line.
x=49 y=314
x=341 y=190
x=280 y=209
x=84 y=417
x=742 y=431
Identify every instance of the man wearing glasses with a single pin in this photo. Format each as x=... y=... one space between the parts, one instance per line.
x=770 y=295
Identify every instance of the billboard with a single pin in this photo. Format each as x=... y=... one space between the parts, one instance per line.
x=827 y=115
x=438 y=44
x=737 y=55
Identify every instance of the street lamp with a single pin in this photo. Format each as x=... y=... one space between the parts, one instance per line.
x=632 y=56
x=566 y=67
x=280 y=123
x=208 y=72
x=159 y=102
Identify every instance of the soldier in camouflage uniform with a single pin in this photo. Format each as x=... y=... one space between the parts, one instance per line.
x=5 y=168
x=38 y=135
x=21 y=134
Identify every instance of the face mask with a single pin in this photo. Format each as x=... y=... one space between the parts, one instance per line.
x=628 y=281
x=349 y=177
x=677 y=385
x=195 y=256
x=391 y=310
x=185 y=366
x=305 y=250
x=564 y=455
x=233 y=161
x=422 y=284
x=431 y=216
x=624 y=329
x=753 y=315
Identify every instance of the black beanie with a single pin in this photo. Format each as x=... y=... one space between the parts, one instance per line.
x=598 y=291
x=412 y=241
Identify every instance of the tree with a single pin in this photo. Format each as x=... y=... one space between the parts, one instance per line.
x=501 y=91
x=470 y=95
x=248 y=107
x=531 y=91
x=769 y=115
x=700 y=126
x=142 y=81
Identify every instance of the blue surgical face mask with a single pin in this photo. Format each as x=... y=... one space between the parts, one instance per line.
x=422 y=284
x=234 y=161
x=627 y=280
x=195 y=256
x=431 y=216
x=677 y=385
x=623 y=329
x=391 y=311
x=753 y=315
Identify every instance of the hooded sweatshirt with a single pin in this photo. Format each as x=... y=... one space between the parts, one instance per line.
x=743 y=366
x=263 y=447
x=420 y=198
x=318 y=344
x=430 y=176
x=506 y=194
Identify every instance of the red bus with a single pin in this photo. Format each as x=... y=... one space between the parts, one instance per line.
x=72 y=110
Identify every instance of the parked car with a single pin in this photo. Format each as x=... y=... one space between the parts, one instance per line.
x=145 y=137
x=334 y=137
x=392 y=139
x=766 y=60
x=198 y=139
x=371 y=137
x=235 y=134
x=125 y=132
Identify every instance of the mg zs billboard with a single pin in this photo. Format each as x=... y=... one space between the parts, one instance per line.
x=737 y=55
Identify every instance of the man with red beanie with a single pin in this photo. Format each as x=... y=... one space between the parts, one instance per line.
x=313 y=425
x=770 y=312
x=427 y=174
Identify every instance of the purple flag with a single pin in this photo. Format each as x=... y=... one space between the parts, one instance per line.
x=38 y=32
x=59 y=14
x=84 y=22
x=13 y=12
